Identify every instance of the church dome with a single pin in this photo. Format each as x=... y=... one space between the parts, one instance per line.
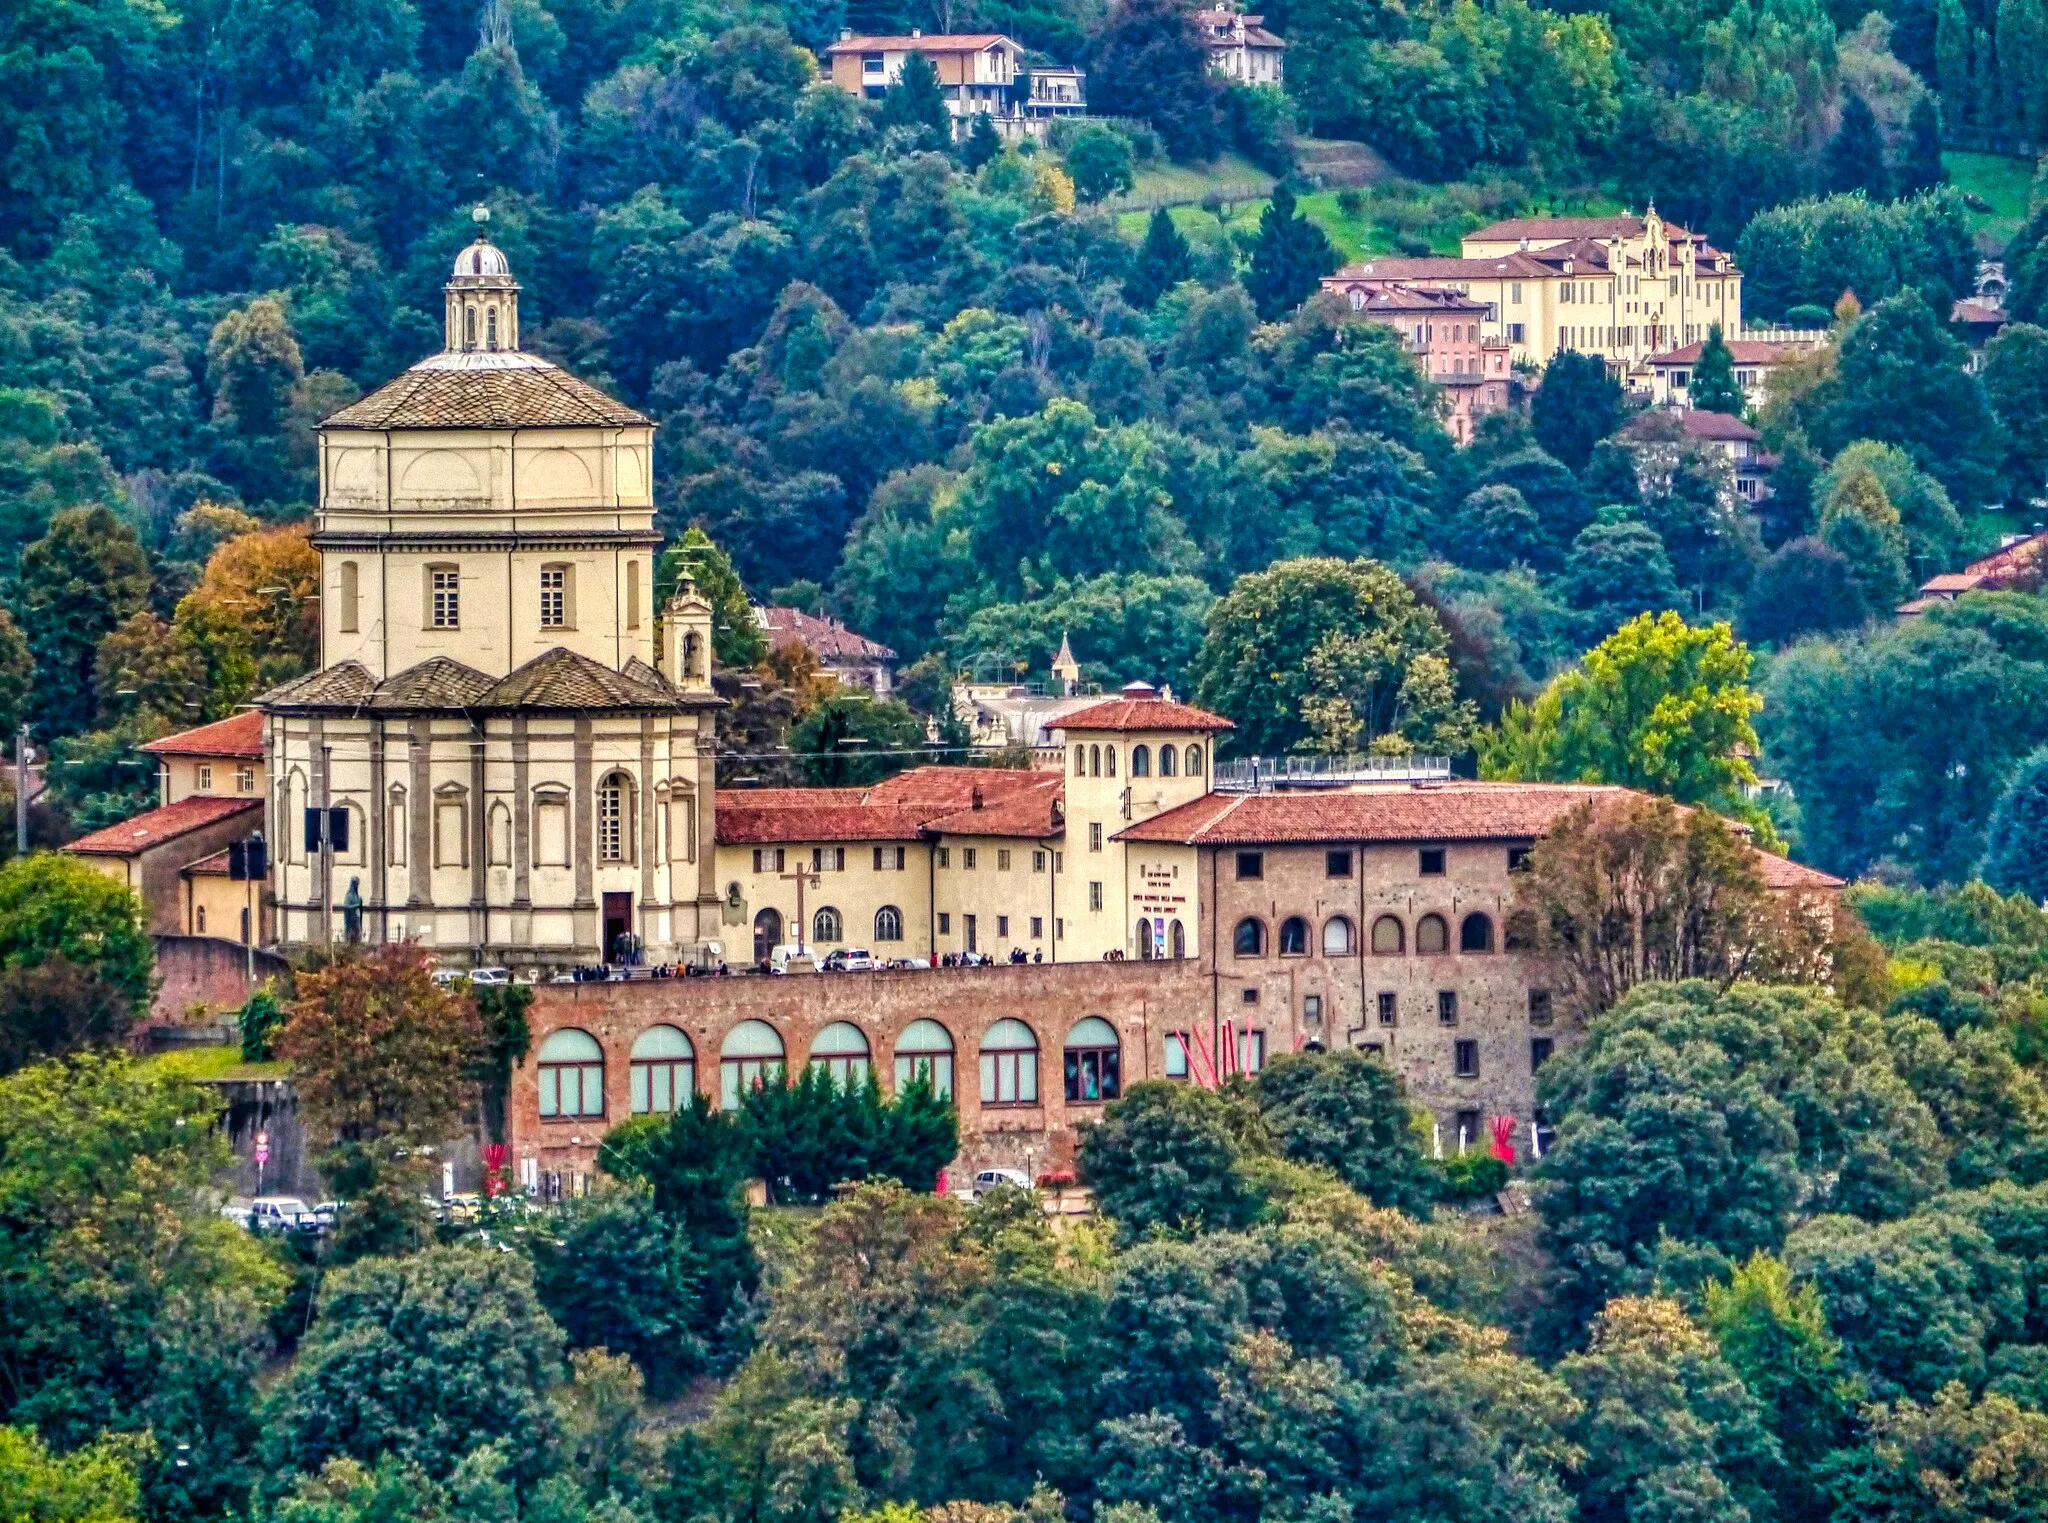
x=481 y=258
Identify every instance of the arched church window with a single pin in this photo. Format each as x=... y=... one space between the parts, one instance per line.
x=491 y=329
x=469 y=327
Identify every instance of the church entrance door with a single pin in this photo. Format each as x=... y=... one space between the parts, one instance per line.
x=767 y=934
x=618 y=927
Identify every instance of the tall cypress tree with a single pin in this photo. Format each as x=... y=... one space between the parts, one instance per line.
x=1922 y=169
x=1713 y=378
x=918 y=100
x=1163 y=262
x=1952 y=59
x=1289 y=260
x=1856 y=156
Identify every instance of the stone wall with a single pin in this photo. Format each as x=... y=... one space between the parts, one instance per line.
x=1141 y=1000
x=206 y=970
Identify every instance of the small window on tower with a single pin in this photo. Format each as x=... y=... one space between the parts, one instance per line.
x=554 y=597
x=444 y=597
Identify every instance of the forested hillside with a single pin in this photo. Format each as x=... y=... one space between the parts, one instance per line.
x=940 y=388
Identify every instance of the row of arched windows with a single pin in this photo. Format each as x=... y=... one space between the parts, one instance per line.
x=663 y=1065
x=1389 y=936
x=1100 y=761
x=828 y=926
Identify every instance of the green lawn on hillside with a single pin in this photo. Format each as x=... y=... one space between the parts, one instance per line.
x=214 y=1064
x=2004 y=184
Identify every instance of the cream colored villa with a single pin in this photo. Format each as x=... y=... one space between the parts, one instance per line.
x=506 y=753
x=1625 y=288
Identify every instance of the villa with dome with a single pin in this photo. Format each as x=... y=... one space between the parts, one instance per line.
x=506 y=751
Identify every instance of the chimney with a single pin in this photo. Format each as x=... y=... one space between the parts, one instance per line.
x=845 y=33
x=917 y=31
x=977 y=795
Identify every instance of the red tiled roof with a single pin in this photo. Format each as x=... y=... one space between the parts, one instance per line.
x=1744 y=351
x=1013 y=801
x=2016 y=559
x=157 y=826
x=240 y=735
x=1430 y=812
x=958 y=42
x=1388 y=267
x=1977 y=312
x=215 y=866
x=827 y=639
x=1782 y=873
x=1141 y=714
x=1701 y=424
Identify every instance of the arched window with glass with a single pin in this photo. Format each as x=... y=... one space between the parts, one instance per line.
x=925 y=1051
x=1337 y=938
x=1194 y=761
x=615 y=818
x=1009 y=1065
x=1432 y=936
x=664 y=1071
x=888 y=923
x=1080 y=761
x=825 y=926
x=1389 y=937
x=1475 y=934
x=1095 y=761
x=1094 y=1061
x=1169 y=760
x=751 y=1055
x=571 y=1065
x=1249 y=939
x=841 y=1050
x=1141 y=761
x=1294 y=937
x=1109 y=761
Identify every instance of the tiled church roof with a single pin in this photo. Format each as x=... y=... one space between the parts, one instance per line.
x=527 y=395
x=556 y=679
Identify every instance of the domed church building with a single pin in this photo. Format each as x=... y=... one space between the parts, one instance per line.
x=506 y=752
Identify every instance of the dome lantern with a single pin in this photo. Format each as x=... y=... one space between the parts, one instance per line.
x=483 y=298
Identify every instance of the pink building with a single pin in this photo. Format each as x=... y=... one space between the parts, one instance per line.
x=1444 y=331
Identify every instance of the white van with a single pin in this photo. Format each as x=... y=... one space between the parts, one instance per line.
x=791 y=958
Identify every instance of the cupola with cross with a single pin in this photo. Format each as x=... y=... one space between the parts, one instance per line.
x=483 y=298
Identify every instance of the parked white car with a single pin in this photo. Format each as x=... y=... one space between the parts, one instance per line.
x=270 y=1214
x=988 y=1179
x=851 y=960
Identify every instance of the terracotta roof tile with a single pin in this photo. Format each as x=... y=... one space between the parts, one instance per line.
x=1701 y=424
x=1141 y=714
x=564 y=679
x=1014 y=802
x=1034 y=811
x=344 y=685
x=944 y=42
x=215 y=866
x=156 y=826
x=438 y=682
x=955 y=787
x=525 y=392
x=827 y=639
x=788 y=824
x=1429 y=812
x=238 y=735
x=1744 y=351
x=1782 y=873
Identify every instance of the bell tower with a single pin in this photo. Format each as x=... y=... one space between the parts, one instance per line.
x=483 y=298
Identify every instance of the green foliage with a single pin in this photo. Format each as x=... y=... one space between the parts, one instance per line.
x=259 y=1019
x=60 y=907
x=507 y=1037
x=94 y=1485
x=2016 y=842
x=1100 y=162
x=1347 y=1111
x=78 y=582
x=131 y=1307
x=1289 y=258
x=849 y=740
x=917 y=102
x=1616 y=572
x=1170 y=1157
x=1966 y=680
x=1810 y=252
x=616 y=1274
x=736 y=638
x=1658 y=705
x=806 y=1136
x=1711 y=1118
x=1855 y=156
x=1713 y=387
x=1148 y=61
x=1806 y=587
x=1577 y=406
x=1162 y=262
x=1321 y=647
x=426 y=1359
x=1474 y=1174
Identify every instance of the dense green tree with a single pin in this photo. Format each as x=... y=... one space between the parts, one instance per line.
x=57 y=908
x=1658 y=705
x=1163 y=261
x=1932 y=530
x=618 y=1275
x=1131 y=628
x=130 y=1306
x=1578 y=405
x=917 y=102
x=1978 y=1458
x=1324 y=634
x=736 y=637
x=1617 y=571
x=851 y=739
x=1669 y=1419
x=1713 y=387
x=1290 y=257
x=1806 y=587
x=1170 y=1157
x=1921 y=168
x=1702 y=1117
x=1855 y=157
x=1903 y=380
x=1495 y=528
x=426 y=1358
x=983 y=142
x=1860 y=524
x=1945 y=705
x=2015 y=378
x=1098 y=158
x=94 y=1485
x=2016 y=842
x=1147 y=60
x=1349 y=1112
x=78 y=583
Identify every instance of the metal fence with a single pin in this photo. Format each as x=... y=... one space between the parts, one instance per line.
x=1256 y=774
